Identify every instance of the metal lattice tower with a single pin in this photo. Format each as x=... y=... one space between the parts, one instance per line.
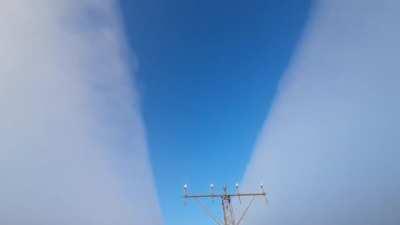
x=226 y=203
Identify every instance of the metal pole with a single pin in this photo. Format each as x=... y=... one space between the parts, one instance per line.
x=224 y=211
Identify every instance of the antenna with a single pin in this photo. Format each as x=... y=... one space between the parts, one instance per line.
x=212 y=191
x=225 y=197
x=237 y=192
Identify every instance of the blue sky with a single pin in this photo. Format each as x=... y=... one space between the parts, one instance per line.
x=207 y=77
x=207 y=74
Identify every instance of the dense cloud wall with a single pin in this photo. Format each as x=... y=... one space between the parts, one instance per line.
x=72 y=142
x=329 y=150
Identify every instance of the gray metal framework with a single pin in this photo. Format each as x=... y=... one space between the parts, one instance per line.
x=226 y=203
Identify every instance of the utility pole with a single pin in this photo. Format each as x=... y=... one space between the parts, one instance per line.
x=226 y=203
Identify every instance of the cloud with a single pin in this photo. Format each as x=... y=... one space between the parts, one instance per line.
x=72 y=141
x=329 y=151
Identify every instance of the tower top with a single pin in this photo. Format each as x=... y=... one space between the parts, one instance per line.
x=225 y=197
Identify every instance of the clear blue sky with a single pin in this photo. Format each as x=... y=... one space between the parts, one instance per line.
x=208 y=71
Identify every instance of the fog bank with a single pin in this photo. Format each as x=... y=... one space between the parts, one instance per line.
x=329 y=150
x=72 y=142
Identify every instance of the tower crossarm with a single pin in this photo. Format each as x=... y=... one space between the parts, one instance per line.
x=226 y=198
x=224 y=195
